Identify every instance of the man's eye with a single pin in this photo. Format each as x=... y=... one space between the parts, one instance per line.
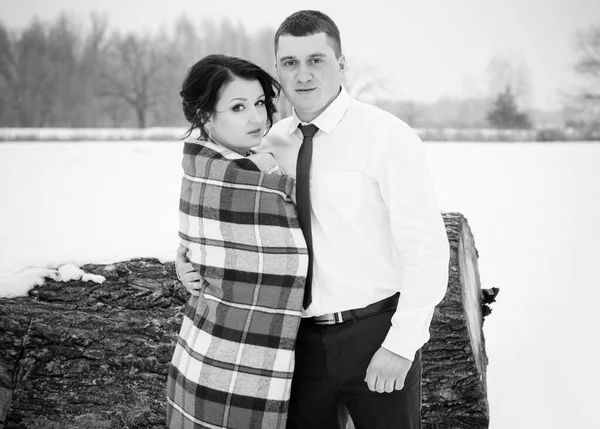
x=317 y=60
x=238 y=108
x=288 y=63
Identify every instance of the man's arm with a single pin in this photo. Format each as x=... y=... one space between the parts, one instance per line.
x=186 y=273
x=421 y=253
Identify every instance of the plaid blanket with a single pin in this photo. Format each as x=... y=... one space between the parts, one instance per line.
x=233 y=362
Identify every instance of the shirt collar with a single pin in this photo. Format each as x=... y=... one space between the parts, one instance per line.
x=330 y=117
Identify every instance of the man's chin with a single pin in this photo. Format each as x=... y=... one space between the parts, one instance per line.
x=303 y=101
x=305 y=107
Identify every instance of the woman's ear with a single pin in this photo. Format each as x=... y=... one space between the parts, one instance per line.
x=204 y=118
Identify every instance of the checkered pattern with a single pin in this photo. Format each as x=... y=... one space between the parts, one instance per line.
x=233 y=362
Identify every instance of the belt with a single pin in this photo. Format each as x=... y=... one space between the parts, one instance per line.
x=386 y=304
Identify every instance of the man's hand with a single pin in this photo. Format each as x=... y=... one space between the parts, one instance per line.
x=186 y=273
x=387 y=371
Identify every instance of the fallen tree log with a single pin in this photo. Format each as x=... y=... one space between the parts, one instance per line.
x=454 y=359
x=87 y=355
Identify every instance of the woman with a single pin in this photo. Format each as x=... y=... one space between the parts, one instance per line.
x=233 y=362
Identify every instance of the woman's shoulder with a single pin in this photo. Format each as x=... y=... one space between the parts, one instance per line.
x=265 y=162
x=261 y=161
x=193 y=145
x=207 y=148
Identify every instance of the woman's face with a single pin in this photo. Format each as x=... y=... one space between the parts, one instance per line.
x=240 y=117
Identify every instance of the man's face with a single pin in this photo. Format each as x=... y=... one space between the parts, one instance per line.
x=309 y=73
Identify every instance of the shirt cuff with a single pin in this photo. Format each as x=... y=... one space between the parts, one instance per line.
x=404 y=342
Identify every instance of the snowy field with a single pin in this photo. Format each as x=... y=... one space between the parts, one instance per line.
x=534 y=211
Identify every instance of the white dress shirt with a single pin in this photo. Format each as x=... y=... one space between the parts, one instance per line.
x=376 y=225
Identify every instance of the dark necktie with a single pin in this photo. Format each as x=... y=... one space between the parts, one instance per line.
x=303 y=199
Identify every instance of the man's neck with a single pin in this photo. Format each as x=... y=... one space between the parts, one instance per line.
x=308 y=117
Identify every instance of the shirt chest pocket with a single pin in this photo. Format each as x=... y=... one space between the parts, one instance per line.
x=336 y=194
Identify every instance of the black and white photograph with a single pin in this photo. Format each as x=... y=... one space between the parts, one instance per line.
x=317 y=215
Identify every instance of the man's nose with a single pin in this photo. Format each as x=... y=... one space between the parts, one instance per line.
x=304 y=73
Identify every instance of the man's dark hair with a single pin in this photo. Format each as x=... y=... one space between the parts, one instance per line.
x=309 y=22
x=204 y=83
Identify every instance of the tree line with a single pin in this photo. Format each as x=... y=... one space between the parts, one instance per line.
x=68 y=73
x=72 y=73
x=505 y=106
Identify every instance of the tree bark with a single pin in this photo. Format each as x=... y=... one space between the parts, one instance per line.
x=454 y=359
x=87 y=355
x=141 y=116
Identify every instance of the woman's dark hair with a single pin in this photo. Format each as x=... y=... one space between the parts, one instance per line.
x=309 y=22
x=205 y=80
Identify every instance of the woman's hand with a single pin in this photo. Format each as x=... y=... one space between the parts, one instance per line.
x=293 y=194
x=186 y=273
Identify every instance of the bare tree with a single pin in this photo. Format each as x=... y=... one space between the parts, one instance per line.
x=583 y=109
x=7 y=76
x=589 y=56
x=137 y=73
x=186 y=36
x=94 y=111
x=62 y=73
x=503 y=72
x=38 y=72
x=62 y=69
x=30 y=58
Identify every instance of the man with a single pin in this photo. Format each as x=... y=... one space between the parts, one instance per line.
x=375 y=230
x=377 y=240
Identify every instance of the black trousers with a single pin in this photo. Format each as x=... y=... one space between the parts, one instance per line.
x=331 y=364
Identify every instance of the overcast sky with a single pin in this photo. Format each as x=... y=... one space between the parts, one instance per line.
x=426 y=48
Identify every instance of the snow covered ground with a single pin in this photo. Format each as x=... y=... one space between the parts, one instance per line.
x=90 y=134
x=85 y=202
x=534 y=211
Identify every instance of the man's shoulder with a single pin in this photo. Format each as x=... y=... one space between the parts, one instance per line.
x=282 y=126
x=277 y=136
x=374 y=115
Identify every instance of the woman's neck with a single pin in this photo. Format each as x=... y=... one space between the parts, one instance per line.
x=240 y=151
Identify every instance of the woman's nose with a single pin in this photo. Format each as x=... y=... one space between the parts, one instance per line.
x=256 y=115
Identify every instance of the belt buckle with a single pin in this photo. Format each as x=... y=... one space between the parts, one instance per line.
x=329 y=319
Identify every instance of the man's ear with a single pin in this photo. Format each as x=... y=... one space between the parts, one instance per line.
x=342 y=63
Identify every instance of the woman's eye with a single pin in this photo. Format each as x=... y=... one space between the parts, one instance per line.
x=260 y=103
x=238 y=108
